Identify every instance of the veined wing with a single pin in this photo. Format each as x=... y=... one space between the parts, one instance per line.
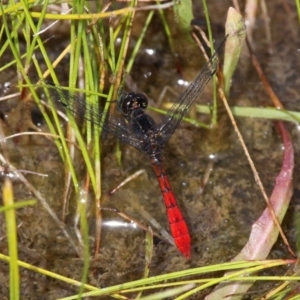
x=183 y=103
x=110 y=123
x=118 y=128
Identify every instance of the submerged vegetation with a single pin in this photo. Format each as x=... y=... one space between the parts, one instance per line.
x=63 y=226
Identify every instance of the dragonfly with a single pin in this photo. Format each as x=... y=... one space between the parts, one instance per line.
x=138 y=129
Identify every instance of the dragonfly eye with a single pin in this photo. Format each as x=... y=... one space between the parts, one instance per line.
x=124 y=103
x=127 y=102
x=142 y=100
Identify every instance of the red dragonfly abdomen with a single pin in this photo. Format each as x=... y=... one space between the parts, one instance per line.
x=177 y=223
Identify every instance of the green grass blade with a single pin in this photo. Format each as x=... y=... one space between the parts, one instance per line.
x=235 y=27
x=11 y=230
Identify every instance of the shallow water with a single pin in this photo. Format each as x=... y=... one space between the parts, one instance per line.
x=219 y=217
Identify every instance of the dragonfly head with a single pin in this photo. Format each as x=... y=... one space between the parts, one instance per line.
x=129 y=101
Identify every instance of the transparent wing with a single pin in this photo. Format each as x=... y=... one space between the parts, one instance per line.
x=184 y=102
x=112 y=124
